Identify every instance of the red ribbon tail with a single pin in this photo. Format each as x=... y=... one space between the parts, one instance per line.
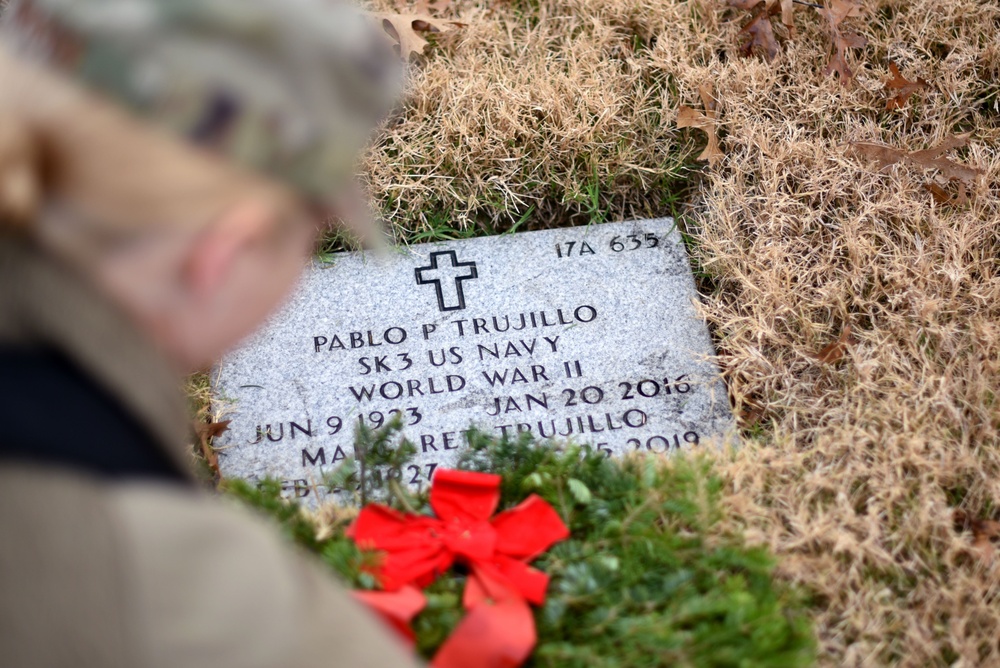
x=396 y=608
x=500 y=635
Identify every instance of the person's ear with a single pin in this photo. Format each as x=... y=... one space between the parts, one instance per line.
x=20 y=173
x=217 y=249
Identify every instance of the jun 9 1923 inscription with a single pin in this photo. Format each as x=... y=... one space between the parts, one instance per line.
x=584 y=334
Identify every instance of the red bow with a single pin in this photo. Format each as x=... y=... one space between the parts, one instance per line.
x=499 y=629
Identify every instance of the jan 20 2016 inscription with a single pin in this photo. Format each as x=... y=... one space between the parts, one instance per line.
x=584 y=334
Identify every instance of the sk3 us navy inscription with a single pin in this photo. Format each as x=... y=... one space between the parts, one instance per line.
x=447 y=274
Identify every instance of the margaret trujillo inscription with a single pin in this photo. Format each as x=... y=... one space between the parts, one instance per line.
x=584 y=334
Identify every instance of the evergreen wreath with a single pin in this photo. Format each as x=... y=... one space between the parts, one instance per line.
x=648 y=577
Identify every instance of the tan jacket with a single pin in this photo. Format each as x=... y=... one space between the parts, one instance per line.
x=127 y=573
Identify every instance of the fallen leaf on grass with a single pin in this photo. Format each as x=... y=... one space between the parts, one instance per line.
x=951 y=170
x=706 y=122
x=904 y=88
x=842 y=38
x=834 y=352
x=950 y=142
x=787 y=8
x=841 y=10
x=213 y=429
x=940 y=195
x=880 y=153
x=927 y=159
x=206 y=431
x=407 y=31
x=788 y=15
x=930 y=159
x=758 y=35
x=983 y=533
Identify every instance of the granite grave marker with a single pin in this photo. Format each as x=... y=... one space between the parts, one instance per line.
x=587 y=334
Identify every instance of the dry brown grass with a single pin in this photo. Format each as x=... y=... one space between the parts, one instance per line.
x=855 y=474
x=852 y=473
x=535 y=106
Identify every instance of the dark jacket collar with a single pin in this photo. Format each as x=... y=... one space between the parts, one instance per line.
x=47 y=307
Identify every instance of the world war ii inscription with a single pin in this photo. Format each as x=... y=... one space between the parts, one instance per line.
x=583 y=334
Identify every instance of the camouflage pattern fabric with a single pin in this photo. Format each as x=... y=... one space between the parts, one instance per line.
x=292 y=88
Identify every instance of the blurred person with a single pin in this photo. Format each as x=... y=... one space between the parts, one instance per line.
x=159 y=165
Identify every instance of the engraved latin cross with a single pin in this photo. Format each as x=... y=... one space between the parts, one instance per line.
x=447 y=275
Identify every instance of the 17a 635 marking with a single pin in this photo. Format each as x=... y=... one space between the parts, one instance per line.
x=617 y=244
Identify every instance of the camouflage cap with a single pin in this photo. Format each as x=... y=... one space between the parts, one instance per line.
x=292 y=88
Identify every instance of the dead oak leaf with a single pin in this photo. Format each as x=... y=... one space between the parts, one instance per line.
x=206 y=431
x=407 y=31
x=213 y=429
x=840 y=10
x=834 y=352
x=706 y=122
x=880 y=153
x=902 y=86
x=757 y=36
x=949 y=143
x=841 y=38
x=788 y=15
x=931 y=159
x=940 y=195
x=926 y=159
x=949 y=169
x=787 y=9
x=852 y=40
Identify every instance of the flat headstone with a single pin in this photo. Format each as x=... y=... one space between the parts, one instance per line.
x=583 y=334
